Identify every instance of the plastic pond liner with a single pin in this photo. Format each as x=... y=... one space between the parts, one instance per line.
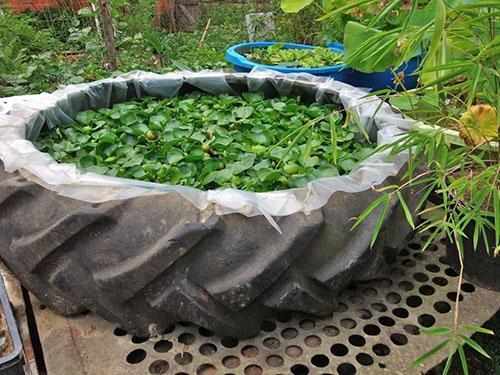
x=147 y=254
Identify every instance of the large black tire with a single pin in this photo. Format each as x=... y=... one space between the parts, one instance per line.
x=147 y=262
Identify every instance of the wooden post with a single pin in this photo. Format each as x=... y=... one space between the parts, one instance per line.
x=256 y=6
x=107 y=28
x=171 y=16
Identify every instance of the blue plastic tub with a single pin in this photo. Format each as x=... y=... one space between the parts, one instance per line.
x=380 y=80
x=235 y=55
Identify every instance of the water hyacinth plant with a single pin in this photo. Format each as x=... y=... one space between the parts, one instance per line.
x=246 y=142
x=277 y=54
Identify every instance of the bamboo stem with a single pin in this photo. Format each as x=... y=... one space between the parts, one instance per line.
x=202 y=40
x=96 y=18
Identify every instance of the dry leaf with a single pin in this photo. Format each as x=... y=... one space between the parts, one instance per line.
x=479 y=125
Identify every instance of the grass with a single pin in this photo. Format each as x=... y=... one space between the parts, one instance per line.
x=41 y=51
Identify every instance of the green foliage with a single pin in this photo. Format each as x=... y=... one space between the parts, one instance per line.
x=336 y=14
x=19 y=38
x=183 y=50
x=459 y=42
x=303 y=27
x=372 y=59
x=467 y=182
x=207 y=142
x=293 y=6
x=63 y=22
x=277 y=54
x=457 y=341
x=43 y=50
x=40 y=51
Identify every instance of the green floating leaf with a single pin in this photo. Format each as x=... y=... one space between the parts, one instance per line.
x=141 y=128
x=97 y=169
x=261 y=138
x=253 y=97
x=85 y=118
x=346 y=164
x=87 y=161
x=222 y=141
x=243 y=112
x=159 y=119
x=175 y=156
x=298 y=180
x=220 y=177
x=245 y=163
x=129 y=139
x=247 y=142
x=133 y=160
x=128 y=118
x=174 y=174
x=311 y=161
x=198 y=136
x=280 y=55
x=105 y=149
x=326 y=171
x=291 y=168
x=267 y=174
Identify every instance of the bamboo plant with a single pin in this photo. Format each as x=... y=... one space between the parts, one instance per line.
x=457 y=42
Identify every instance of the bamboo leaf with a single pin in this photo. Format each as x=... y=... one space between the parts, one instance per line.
x=368 y=211
x=436 y=331
x=406 y=210
x=430 y=353
x=426 y=194
x=431 y=238
x=333 y=136
x=475 y=345
x=496 y=209
x=473 y=86
x=384 y=12
x=439 y=24
x=478 y=4
x=361 y=128
x=450 y=358
x=442 y=79
x=380 y=219
x=463 y=360
x=345 y=8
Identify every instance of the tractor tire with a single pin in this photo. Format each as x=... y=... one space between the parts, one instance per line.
x=147 y=262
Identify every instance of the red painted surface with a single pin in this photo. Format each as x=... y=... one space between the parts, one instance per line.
x=162 y=7
x=18 y=6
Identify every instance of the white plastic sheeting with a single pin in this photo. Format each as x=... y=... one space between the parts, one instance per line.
x=22 y=118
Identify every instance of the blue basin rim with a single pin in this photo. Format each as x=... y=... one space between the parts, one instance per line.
x=384 y=79
x=235 y=55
